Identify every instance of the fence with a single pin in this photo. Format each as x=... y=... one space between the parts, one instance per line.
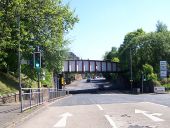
x=35 y=96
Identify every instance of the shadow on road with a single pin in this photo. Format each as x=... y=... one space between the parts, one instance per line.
x=99 y=86
x=101 y=89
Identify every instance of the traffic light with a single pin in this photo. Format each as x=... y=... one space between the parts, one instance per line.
x=37 y=60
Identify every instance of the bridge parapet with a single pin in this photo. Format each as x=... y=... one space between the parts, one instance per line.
x=90 y=66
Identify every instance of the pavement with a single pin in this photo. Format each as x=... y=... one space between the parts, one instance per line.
x=8 y=113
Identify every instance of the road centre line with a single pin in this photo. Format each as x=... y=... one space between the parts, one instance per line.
x=112 y=123
x=100 y=107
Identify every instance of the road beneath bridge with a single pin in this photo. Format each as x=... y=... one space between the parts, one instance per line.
x=103 y=109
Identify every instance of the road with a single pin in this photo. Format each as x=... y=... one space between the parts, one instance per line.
x=103 y=109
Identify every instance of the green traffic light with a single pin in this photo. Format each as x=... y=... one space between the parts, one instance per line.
x=37 y=65
x=37 y=60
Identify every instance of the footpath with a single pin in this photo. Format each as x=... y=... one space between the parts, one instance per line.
x=10 y=114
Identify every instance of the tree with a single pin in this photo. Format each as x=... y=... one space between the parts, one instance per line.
x=111 y=55
x=33 y=23
x=148 y=48
x=161 y=27
x=42 y=23
x=129 y=46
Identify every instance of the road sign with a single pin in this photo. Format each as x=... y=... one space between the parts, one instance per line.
x=163 y=73
x=163 y=65
x=163 y=69
x=159 y=89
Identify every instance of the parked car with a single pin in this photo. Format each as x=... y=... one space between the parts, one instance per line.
x=88 y=79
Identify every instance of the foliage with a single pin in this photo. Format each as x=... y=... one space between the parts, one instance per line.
x=128 y=47
x=111 y=55
x=156 y=83
x=145 y=48
x=115 y=59
x=152 y=76
x=48 y=79
x=8 y=84
x=167 y=86
x=33 y=23
x=166 y=83
x=148 y=69
x=160 y=27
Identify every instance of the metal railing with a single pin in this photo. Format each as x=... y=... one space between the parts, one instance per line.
x=31 y=97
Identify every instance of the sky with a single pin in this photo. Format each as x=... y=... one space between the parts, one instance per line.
x=104 y=23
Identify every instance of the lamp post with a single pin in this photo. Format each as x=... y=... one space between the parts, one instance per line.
x=19 y=62
x=142 y=82
x=131 y=74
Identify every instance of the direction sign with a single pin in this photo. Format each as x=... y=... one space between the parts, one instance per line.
x=163 y=65
x=163 y=69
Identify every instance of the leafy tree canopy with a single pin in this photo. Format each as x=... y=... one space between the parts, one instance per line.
x=34 y=23
x=161 y=27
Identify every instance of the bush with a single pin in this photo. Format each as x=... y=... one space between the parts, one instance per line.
x=48 y=79
x=152 y=76
x=168 y=80
x=164 y=81
x=167 y=86
x=156 y=83
x=148 y=69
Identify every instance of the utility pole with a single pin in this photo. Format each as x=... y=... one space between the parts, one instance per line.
x=131 y=75
x=19 y=62
x=142 y=82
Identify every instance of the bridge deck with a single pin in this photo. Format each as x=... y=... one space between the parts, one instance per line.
x=82 y=66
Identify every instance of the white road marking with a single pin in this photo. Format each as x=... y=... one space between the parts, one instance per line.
x=106 y=94
x=157 y=104
x=100 y=107
x=112 y=123
x=62 y=121
x=151 y=116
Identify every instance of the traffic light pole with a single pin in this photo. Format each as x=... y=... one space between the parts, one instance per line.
x=19 y=63
x=37 y=66
x=38 y=73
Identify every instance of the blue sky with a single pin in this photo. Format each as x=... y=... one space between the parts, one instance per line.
x=104 y=23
